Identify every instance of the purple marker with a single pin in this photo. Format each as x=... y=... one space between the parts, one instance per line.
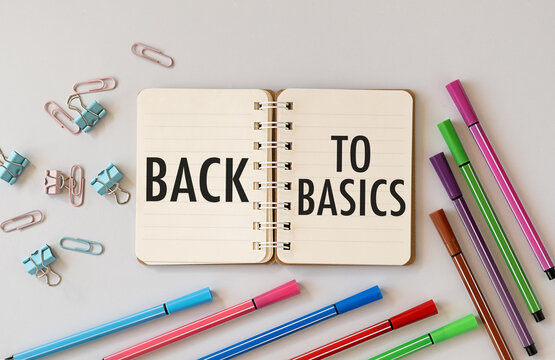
x=449 y=182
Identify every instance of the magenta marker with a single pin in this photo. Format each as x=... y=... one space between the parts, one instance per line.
x=458 y=95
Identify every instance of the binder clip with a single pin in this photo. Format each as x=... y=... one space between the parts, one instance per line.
x=55 y=181
x=107 y=183
x=38 y=264
x=89 y=115
x=12 y=167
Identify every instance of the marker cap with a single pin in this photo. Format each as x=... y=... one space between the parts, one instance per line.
x=198 y=297
x=446 y=232
x=362 y=298
x=462 y=103
x=441 y=166
x=455 y=328
x=453 y=142
x=414 y=314
x=282 y=292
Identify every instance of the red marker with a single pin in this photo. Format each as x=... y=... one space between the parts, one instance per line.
x=410 y=316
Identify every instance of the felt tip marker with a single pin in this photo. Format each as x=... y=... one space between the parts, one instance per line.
x=410 y=316
x=168 y=308
x=449 y=182
x=279 y=293
x=446 y=332
x=453 y=248
x=462 y=102
x=455 y=146
x=363 y=298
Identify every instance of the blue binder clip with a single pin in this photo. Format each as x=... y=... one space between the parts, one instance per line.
x=12 y=167
x=38 y=264
x=89 y=116
x=107 y=183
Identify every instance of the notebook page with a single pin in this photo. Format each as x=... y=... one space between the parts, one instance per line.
x=351 y=177
x=205 y=140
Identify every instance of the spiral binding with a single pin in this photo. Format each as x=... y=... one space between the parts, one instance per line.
x=261 y=165
x=264 y=185
x=262 y=125
x=261 y=145
x=262 y=105
x=272 y=244
x=260 y=185
x=265 y=205
x=272 y=225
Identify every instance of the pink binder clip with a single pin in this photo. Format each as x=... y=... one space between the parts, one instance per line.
x=55 y=181
x=104 y=84
x=142 y=50
x=57 y=113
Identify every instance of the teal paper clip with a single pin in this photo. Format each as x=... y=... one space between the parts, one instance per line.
x=91 y=247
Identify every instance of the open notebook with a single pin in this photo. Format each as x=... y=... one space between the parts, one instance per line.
x=307 y=177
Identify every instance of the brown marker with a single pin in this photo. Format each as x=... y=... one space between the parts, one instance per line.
x=453 y=248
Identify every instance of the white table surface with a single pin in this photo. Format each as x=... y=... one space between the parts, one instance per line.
x=502 y=50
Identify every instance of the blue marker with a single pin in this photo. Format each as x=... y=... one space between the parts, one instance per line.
x=182 y=303
x=350 y=303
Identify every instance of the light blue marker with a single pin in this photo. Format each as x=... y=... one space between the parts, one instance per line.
x=350 y=303
x=182 y=303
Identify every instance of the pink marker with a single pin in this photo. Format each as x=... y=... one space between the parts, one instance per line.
x=280 y=293
x=458 y=95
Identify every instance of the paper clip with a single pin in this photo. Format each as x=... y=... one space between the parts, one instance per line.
x=90 y=249
x=141 y=50
x=55 y=181
x=104 y=85
x=89 y=116
x=35 y=217
x=38 y=264
x=107 y=183
x=57 y=113
x=76 y=185
x=12 y=166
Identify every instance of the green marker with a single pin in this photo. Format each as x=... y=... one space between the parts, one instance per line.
x=454 y=143
x=448 y=331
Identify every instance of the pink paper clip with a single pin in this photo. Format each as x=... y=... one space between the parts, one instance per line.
x=34 y=217
x=76 y=193
x=56 y=112
x=105 y=84
x=141 y=50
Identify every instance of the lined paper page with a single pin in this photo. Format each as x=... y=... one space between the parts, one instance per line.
x=202 y=227
x=366 y=232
